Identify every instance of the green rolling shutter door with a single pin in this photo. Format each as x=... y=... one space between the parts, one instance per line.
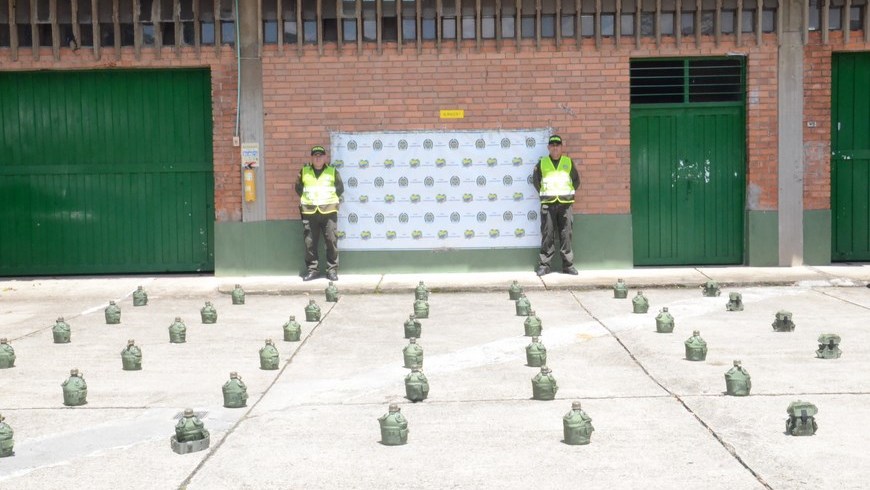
x=850 y=157
x=106 y=172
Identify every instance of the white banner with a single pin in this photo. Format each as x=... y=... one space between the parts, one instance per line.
x=438 y=190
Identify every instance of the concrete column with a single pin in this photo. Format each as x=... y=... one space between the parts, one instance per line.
x=251 y=102
x=790 y=110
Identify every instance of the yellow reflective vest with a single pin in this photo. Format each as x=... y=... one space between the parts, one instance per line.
x=318 y=193
x=556 y=185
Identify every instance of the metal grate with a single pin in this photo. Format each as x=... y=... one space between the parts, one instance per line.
x=657 y=82
x=718 y=80
x=687 y=81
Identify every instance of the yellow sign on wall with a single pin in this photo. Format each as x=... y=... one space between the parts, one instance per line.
x=452 y=114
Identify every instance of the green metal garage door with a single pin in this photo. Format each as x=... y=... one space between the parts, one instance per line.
x=687 y=161
x=850 y=156
x=106 y=172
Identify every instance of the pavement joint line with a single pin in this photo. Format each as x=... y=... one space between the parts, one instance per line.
x=38 y=331
x=819 y=271
x=405 y=401
x=699 y=271
x=543 y=283
x=859 y=305
x=73 y=317
x=64 y=407
x=624 y=397
x=247 y=414
x=818 y=393
x=482 y=400
x=719 y=439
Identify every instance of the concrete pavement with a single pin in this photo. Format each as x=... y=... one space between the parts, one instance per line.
x=661 y=421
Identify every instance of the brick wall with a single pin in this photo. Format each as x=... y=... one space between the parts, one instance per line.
x=817 y=109
x=223 y=81
x=762 y=154
x=583 y=95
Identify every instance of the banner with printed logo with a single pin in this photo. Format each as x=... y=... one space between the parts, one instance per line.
x=438 y=190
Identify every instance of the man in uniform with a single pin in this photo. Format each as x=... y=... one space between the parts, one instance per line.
x=319 y=188
x=556 y=181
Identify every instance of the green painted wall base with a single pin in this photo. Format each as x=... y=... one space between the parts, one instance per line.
x=817 y=237
x=603 y=241
x=275 y=248
x=762 y=238
x=258 y=248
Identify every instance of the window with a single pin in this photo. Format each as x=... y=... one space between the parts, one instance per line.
x=626 y=21
x=86 y=28
x=548 y=18
x=687 y=81
x=448 y=19
x=487 y=19
x=568 y=18
x=228 y=32
x=469 y=21
x=648 y=18
x=389 y=23
x=22 y=22
x=608 y=28
x=270 y=21
x=687 y=22
x=207 y=33
x=587 y=25
x=146 y=7
x=348 y=21
x=835 y=15
x=815 y=15
x=727 y=19
x=716 y=80
x=656 y=81
x=768 y=20
x=666 y=23
x=5 y=37
x=43 y=23
x=173 y=22
x=527 y=22
x=856 y=19
x=186 y=18
x=167 y=23
x=748 y=20
x=429 y=25
x=206 y=22
x=25 y=37
x=309 y=21
x=228 y=22
x=329 y=23
x=148 y=34
x=409 y=20
x=270 y=32
x=508 y=19
x=708 y=23
x=626 y=27
x=64 y=23
x=568 y=26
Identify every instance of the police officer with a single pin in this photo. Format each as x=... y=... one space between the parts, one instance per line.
x=319 y=188
x=556 y=180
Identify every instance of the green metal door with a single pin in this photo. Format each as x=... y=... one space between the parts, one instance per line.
x=850 y=156
x=687 y=163
x=106 y=172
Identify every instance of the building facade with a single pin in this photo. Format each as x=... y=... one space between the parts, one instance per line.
x=705 y=132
